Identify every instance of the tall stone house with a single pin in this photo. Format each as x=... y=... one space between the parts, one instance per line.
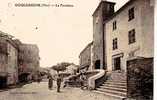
x=28 y=61
x=120 y=37
x=102 y=12
x=130 y=33
x=18 y=61
x=8 y=60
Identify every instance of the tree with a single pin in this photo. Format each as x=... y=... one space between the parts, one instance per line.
x=60 y=66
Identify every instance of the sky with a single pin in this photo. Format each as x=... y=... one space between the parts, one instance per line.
x=60 y=32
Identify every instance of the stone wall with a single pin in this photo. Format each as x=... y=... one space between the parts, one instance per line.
x=3 y=55
x=8 y=60
x=28 y=58
x=140 y=78
x=12 y=64
x=97 y=36
x=104 y=10
x=85 y=57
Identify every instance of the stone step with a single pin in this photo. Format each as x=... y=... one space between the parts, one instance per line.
x=114 y=88
x=113 y=85
x=110 y=94
x=119 y=93
x=117 y=81
x=117 y=78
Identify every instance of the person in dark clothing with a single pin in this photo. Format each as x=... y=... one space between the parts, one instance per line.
x=50 y=82
x=38 y=76
x=82 y=80
x=59 y=80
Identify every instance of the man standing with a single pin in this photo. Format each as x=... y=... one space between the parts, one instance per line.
x=58 y=83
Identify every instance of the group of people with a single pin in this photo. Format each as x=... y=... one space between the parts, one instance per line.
x=51 y=79
x=83 y=80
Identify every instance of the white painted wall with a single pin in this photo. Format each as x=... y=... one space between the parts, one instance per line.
x=147 y=28
x=142 y=45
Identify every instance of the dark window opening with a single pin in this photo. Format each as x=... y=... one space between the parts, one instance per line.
x=115 y=44
x=131 y=13
x=131 y=36
x=114 y=25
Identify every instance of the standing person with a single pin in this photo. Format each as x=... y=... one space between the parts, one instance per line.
x=38 y=77
x=50 y=81
x=58 y=83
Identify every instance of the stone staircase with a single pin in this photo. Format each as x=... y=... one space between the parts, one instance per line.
x=115 y=85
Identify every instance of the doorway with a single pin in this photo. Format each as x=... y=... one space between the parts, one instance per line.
x=117 y=63
x=23 y=78
x=97 y=64
x=3 y=82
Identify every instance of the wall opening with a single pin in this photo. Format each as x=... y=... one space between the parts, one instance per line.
x=117 y=63
x=97 y=64
x=23 y=77
x=3 y=82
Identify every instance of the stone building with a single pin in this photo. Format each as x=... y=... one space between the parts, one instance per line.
x=123 y=43
x=130 y=33
x=8 y=60
x=85 y=57
x=28 y=61
x=102 y=12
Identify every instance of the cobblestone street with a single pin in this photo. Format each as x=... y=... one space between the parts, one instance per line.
x=40 y=91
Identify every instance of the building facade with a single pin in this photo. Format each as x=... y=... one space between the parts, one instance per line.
x=8 y=60
x=104 y=10
x=122 y=35
x=28 y=60
x=130 y=33
x=85 y=57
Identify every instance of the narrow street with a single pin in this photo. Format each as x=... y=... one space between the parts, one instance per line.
x=40 y=91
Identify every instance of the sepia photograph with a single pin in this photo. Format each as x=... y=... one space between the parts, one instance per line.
x=77 y=49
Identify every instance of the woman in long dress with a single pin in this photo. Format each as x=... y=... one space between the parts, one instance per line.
x=50 y=82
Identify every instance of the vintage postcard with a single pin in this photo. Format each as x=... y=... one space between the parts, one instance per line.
x=77 y=49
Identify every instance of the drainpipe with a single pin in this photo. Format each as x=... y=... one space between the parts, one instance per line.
x=103 y=34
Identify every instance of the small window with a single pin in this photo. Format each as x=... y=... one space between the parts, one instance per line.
x=131 y=36
x=131 y=13
x=115 y=44
x=97 y=19
x=114 y=25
